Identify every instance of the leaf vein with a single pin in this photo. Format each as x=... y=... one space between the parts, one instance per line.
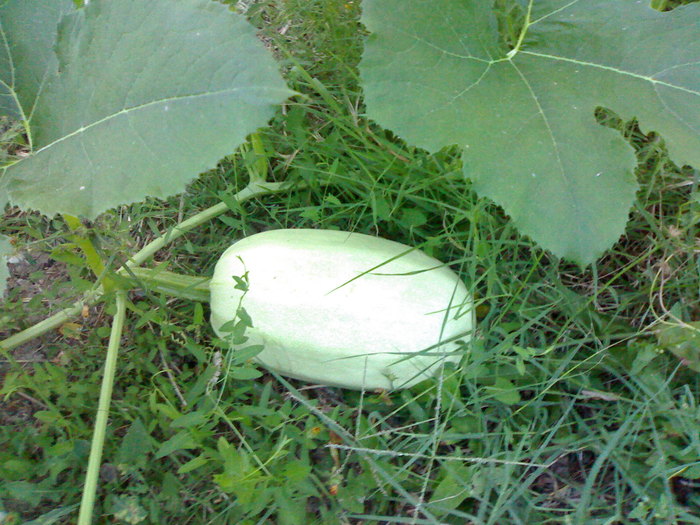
x=545 y=120
x=475 y=83
x=454 y=32
x=562 y=8
x=562 y=171
x=672 y=111
x=438 y=48
x=129 y=110
x=6 y=45
x=612 y=69
x=675 y=66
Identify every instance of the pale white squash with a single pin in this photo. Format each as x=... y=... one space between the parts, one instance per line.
x=344 y=309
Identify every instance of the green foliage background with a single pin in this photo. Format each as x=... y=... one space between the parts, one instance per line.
x=572 y=402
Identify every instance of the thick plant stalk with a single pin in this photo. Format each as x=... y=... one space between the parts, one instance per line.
x=93 y=471
x=173 y=284
x=254 y=189
x=523 y=32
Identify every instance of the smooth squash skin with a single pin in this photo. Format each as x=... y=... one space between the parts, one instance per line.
x=344 y=309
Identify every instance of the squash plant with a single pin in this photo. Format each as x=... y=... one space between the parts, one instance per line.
x=125 y=99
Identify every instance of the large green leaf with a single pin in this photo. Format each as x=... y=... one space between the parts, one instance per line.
x=27 y=38
x=148 y=95
x=435 y=72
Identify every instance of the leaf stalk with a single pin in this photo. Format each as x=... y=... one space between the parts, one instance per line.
x=93 y=470
x=523 y=32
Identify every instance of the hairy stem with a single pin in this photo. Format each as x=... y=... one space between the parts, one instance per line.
x=93 y=471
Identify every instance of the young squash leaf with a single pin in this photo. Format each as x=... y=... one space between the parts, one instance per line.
x=435 y=72
x=147 y=96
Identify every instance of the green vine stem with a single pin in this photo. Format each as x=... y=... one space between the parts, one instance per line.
x=523 y=32
x=252 y=190
x=50 y=323
x=173 y=284
x=90 y=488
